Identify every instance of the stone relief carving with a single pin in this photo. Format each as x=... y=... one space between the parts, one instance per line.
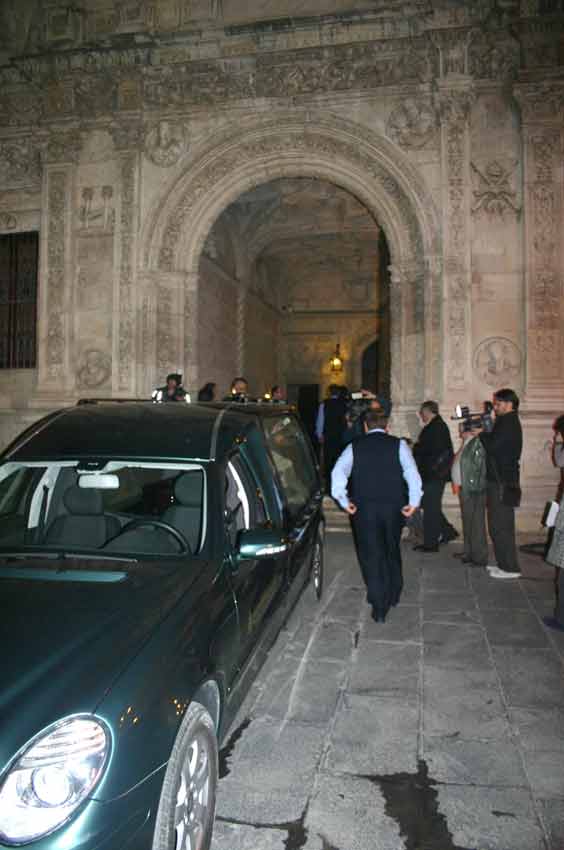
x=62 y=147
x=19 y=163
x=492 y=56
x=497 y=362
x=8 y=222
x=166 y=349
x=412 y=124
x=95 y=368
x=97 y=209
x=495 y=194
x=165 y=143
x=127 y=135
x=56 y=202
x=126 y=321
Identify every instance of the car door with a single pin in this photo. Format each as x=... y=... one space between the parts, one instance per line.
x=298 y=475
x=257 y=584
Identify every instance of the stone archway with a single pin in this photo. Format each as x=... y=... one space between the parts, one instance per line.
x=303 y=144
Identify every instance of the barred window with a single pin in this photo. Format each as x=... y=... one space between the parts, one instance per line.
x=18 y=300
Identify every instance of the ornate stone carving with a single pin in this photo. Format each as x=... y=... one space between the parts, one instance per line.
x=541 y=102
x=126 y=343
x=8 y=222
x=95 y=368
x=452 y=45
x=127 y=135
x=97 y=209
x=62 y=147
x=493 y=56
x=165 y=143
x=497 y=362
x=495 y=194
x=56 y=202
x=19 y=163
x=412 y=124
x=94 y=94
x=166 y=348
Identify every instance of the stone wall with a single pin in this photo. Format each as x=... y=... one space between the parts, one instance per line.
x=262 y=343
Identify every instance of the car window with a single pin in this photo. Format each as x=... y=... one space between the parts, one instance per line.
x=129 y=508
x=244 y=507
x=292 y=458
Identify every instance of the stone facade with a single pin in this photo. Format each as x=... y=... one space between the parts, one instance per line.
x=141 y=139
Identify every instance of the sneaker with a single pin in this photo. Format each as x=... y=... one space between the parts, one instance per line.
x=495 y=572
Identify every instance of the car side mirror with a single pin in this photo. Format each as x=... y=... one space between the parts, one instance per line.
x=260 y=543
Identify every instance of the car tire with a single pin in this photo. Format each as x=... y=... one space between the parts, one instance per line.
x=317 y=566
x=186 y=810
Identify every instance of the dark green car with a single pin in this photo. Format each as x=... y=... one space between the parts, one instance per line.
x=149 y=554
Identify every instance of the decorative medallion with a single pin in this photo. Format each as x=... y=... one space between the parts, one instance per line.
x=165 y=143
x=412 y=124
x=497 y=362
x=94 y=369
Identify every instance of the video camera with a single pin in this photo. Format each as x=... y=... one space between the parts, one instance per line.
x=471 y=421
x=358 y=403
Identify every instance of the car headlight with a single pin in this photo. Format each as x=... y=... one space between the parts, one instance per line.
x=51 y=777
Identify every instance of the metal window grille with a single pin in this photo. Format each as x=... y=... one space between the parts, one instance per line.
x=18 y=300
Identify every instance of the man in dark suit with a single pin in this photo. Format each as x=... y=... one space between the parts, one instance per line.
x=503 y=447
x=385 y=490
x=330 y=428
x=433 y=454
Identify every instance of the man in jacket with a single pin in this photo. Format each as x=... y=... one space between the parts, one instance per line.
x=433 y=454
x=330 y=428
x=469 y=476
x=503 y=446
x=385 y=490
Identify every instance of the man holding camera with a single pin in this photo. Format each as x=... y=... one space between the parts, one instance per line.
x=385 y=490
x=503 y=447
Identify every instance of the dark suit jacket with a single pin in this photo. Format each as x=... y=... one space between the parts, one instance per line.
x=503 y=448
x=433 y=450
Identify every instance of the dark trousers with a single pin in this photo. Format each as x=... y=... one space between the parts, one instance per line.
x=501 y=523
x=473 y=512
x=331 y=451
x=435 y=523
x=559 y=595
x=377 y=530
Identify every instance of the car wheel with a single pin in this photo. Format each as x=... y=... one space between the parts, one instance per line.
x=187 y=806
x=317 y=567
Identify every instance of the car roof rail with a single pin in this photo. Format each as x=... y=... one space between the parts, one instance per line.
x=113 y=400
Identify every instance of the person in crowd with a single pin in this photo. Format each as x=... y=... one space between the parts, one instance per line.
x=277 y=395
x=172 y=390
x=433 y=454
x=469 y=481
x=207 y=392
x=355 y=426
x=239 y=390
x=555 y=555
x=385 y=490
x=503 y=446
x=330 y=428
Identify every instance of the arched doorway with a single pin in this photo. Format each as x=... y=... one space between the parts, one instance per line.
x=303 y=145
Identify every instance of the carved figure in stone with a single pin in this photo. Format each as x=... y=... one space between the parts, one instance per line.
x=19 y=163
x=497 y=361
x=7 y=221
x=95 y=368
x=216 y=9
x=495 y=195
x=97 y=210
x=412 y=124
x=165 y=143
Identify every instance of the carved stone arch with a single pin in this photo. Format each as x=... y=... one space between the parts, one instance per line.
x=305 y=144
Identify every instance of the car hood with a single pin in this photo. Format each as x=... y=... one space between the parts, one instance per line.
x=67 y=629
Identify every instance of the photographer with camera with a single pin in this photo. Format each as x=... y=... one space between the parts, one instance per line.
x=503 y=446
x=469 y=479
x=555 y=554
x=433 y=454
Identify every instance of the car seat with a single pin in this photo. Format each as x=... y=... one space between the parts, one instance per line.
x=186 y=512
x=85 y=524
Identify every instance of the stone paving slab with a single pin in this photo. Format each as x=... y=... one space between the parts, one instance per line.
x=229 y=836
x=514 y=628
x=453 y=608
x=545 y=772
x=463 y=702
x=403 y=623
x=460 y=761
x=552 y=815
x=311 y=698
x=530 y=678
x=491 y=818
x=539 y=729
x=332 y=641
x=455 y=647
x=380 y=668
x=349 y=814
x=374 y=736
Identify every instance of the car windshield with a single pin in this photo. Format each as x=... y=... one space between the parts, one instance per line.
x=117 y=508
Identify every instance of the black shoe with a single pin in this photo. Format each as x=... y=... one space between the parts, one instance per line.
x=553 y=623
x=448 y=536
x=422 y=548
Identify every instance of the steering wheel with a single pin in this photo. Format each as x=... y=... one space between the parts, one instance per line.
x=159 y=523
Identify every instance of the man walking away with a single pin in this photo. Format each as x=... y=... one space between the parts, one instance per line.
x=385 y=490
x=330 y=428
x=433 y=454
x=503 y=447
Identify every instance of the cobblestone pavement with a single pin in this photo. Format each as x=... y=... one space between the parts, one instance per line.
x=442 y=729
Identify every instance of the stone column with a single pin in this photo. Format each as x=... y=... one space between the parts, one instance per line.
x=454 y=108
x=55 y=379
x=127 y=140
x=542 y=109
